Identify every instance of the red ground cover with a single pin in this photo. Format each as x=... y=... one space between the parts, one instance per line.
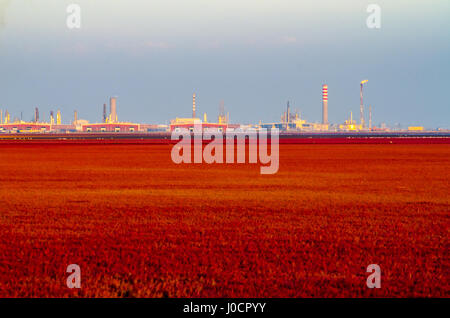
x=141 y=226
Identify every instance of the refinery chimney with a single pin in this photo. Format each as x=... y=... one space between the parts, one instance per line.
x=222 y=117
x=193 y=105
x=325 y=104
x=287 y=113
x=113 y=110
x=58 y=117
x=75 y=117
x=52 y=118
x=361 y=107
x=104 y=113
x=36 y=115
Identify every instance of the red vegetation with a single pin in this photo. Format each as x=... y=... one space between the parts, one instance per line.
x=141 y=226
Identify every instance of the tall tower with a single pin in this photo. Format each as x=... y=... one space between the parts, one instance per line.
x=223 y=119
x=58 y=117
x=75 y=117
x=325 y=104
x=113 y=110
x=361 y=107
x=193 y=105
x=104 y=113
x=52 y=118
x=1 y=116
x=370 y=117
x=36 y=115
x=287 y=113
x=222 y=108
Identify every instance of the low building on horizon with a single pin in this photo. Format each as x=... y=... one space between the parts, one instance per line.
x=111 y=127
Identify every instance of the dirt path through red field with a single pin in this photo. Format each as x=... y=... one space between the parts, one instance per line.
x=139 y=225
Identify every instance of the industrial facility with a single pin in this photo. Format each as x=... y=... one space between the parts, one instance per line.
x=290 y=122
x=293 y=122
x=110 y=123
x=17 y=125
x=189 y=122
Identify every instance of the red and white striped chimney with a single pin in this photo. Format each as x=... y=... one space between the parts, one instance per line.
x=193 y=105
x=325 y=104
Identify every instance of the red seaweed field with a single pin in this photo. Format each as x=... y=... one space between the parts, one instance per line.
x=139 y=225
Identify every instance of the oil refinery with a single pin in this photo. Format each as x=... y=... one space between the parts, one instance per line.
x=290 y=121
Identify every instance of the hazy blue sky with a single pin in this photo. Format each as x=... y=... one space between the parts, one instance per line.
x=253 y=54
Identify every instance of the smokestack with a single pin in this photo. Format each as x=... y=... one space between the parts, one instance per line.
x=223 y=118
x=370 y=117
x=52 y=119
x=104 y=113
x=193 y=105
x=325 y=104
x=222 y=108
x=1 y=116
x=361 y=107
x=58 y=117
x=287 y=113
x=36 y=115
x=75 y=117
x=113 y=110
